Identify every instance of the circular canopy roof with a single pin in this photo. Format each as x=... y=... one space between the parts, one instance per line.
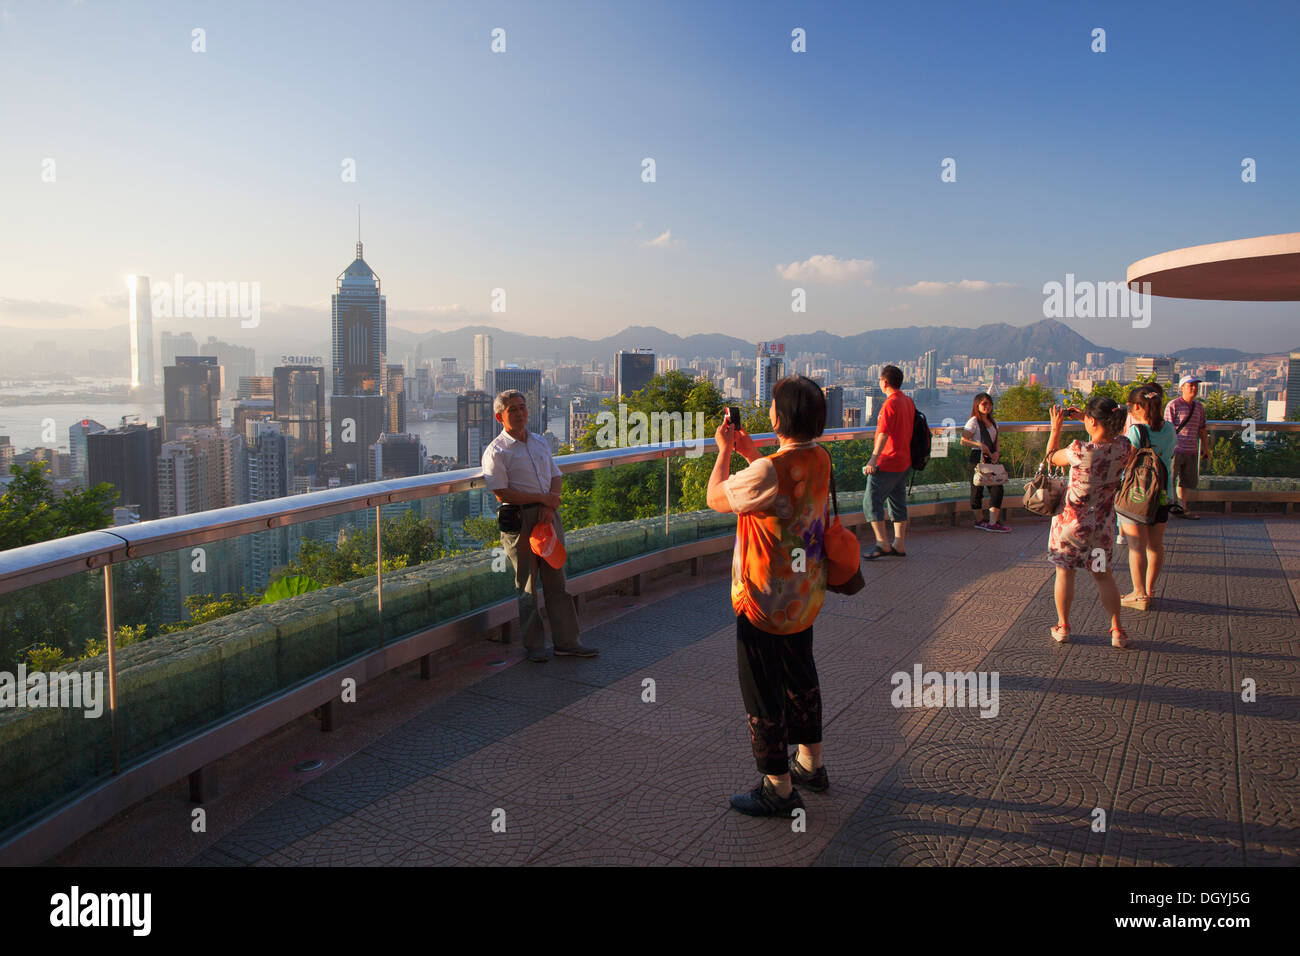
x=1263 y=269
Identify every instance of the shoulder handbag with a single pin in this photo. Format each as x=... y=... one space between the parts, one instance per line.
x=1045 y=492
x=843 y=553
x=987 y=473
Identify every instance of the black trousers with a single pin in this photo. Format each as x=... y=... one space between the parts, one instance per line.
x=778 y=681
x=977 y=496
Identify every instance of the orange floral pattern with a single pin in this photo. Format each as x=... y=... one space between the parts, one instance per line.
x=778 y=589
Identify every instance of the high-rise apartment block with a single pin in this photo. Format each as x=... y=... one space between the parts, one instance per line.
x=1165 y=369
x=770 y=370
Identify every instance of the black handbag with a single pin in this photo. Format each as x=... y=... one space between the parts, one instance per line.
x=510 y=519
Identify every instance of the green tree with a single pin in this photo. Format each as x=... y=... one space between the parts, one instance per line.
x=1024 y=402
x=484 y=530
x=31 y=511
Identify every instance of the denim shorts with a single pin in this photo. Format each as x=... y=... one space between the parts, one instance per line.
x=882 y=487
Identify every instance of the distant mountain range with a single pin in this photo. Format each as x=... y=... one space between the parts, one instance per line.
x=1048 y=340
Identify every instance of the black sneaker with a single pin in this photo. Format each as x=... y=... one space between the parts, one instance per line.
x=814 y=780
x=762 y=801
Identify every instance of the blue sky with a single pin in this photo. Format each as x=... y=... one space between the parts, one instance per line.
x=522 y=170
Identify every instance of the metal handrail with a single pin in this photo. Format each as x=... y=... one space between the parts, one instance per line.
x=37 y=563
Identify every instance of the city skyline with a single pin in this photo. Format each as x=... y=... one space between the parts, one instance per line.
x=818 y=170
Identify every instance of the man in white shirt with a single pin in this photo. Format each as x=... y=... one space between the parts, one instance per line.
x=522 y=474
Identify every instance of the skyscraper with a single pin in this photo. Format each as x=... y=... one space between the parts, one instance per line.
x=931 y=369
x=127 y=458
x=300 y=410
x=359 y=319
x=191 y=393
x=236 y=361
x=483 y=364
x=356 y=422
x=268 y=461
x=395 y=396
x=834 y=406
x=397 y=456
x=1293 y=384
x=770 y=370
x=77 y=446
x=529 y=382
x=144 y=372
x=475 y=426
x=633 y=371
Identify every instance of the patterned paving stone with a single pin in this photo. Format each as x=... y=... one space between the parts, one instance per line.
x=587 y=773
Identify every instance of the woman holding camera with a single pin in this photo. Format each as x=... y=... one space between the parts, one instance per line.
x=1083 y=534
x=981 y=433
x=778 y=583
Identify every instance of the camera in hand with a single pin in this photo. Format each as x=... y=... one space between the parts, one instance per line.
x=733 y=416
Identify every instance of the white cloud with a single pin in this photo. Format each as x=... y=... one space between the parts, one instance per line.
x=663 y=240
x=828 y=269
x=964 y=285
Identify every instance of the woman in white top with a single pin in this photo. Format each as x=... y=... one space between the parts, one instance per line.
x=981 y=434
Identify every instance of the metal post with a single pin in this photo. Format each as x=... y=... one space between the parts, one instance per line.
x=667 y=498
x=112 y=662
x=379 y=568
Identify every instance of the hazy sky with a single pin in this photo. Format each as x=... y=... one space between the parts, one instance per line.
x=523 y=170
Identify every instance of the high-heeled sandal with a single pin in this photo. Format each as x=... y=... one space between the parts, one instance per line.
x=1060 y=634
x=1139 y=602
x=1119 y=638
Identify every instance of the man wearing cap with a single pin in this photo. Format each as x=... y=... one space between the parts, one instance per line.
x=522 y=474
x=1193 y=440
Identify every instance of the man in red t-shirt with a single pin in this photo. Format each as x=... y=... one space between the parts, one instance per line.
x=890 y=463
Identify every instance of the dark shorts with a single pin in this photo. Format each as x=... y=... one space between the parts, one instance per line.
x=886 y=487
x=1186 y=471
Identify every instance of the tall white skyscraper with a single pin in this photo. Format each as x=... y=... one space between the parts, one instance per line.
x=144 y=370
x=483 y=363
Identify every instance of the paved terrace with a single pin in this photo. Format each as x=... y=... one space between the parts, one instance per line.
x=588 y=773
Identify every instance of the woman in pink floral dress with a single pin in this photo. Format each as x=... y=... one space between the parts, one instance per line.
x=1083 y=534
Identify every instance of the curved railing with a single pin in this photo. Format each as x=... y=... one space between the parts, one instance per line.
x=188 y=694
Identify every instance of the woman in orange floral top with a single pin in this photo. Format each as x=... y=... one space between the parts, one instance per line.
x=778 y=583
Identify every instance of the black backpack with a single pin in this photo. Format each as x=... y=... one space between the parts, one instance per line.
x=920 y=441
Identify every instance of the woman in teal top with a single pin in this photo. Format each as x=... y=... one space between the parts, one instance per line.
x=1146 y=543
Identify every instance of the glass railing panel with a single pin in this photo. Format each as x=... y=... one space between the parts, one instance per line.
x=55 y=724
x=208 y=631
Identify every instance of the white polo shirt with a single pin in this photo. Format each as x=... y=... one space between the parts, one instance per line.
x=525 y=466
